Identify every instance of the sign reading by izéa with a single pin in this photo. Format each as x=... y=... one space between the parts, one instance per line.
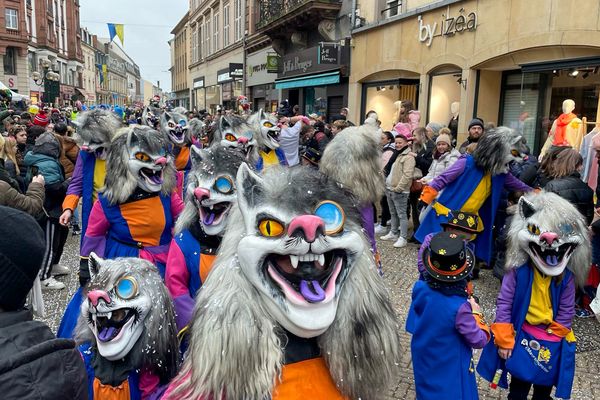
x=448 y=26
x=328 y=53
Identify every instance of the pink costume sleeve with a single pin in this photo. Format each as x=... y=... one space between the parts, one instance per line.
x=95 y=235
x=176 y=205
x=148 y=384
x=177 y=276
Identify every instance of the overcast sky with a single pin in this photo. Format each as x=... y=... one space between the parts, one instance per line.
x=148 y=24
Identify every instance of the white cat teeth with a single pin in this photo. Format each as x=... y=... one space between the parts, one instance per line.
x=105 y=314
x=294 y=261
x=211 y=206
x=321 y=260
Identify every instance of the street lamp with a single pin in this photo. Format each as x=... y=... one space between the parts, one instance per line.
x=49 y=79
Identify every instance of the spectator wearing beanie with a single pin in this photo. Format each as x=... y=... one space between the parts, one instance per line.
x=41 y=119
x=443 y=157
x=433 y=130
x=34 y=364
x=475 y=133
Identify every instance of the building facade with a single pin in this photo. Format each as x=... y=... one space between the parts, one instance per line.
x=55 y=47
x=90 y=71
x=216 y=59
x=121 y=81
x=180 y=47
x=312 y=42
x=508 y=62
x=13 y=46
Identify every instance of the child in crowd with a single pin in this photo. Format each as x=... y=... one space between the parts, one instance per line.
x=43 y=160
x=397 y=186
x=445 y=322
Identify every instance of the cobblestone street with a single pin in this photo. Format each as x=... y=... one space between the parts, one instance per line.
x=400 y=273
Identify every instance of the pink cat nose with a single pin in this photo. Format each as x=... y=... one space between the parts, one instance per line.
x=308 y=225
x=95 y=295
x=161 y=161
x=549 y=237
x=242 y=140
x=201 y=193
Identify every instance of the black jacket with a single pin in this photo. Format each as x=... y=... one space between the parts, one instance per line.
x=34 y=364
x=425 y=157
x=577 y=192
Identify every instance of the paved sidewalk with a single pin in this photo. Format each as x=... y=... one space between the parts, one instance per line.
x=400 y=274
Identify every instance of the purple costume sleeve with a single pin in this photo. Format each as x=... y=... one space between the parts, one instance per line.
x=506 y=296
x=466 y=325
x=184 y=308
x=420 y=265
x=566 y=308
x=512 y=184
x=449 y=175
x=366 y=212
x=76 y=185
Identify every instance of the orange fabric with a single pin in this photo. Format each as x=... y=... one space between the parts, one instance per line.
x=107 y=392
x=146 y=220
x=308 y=379
x=206 y=263
x=428 y=194
x=182 y=158
x=482 y=325
x=70 y=202
x=504 y=335
x=557 y=329
x=560 y=133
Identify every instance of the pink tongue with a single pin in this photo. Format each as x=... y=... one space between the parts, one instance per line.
x=209 y=218
x=314 y=295
x=106 y=333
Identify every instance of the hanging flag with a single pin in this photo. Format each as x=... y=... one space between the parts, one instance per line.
x=116 y=30
x=99 y=66
x=104 y=71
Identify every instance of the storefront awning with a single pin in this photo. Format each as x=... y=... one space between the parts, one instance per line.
x=328 y=78
x=82 y=92
x=561 y=64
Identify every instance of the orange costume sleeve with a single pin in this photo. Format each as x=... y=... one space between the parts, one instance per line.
x=70 y=202
x=428 y=194
x=482 y=325
x=504 y=335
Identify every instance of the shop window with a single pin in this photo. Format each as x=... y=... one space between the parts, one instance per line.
x=10 y=61
x=10 y=15
x=238 y=19
x=216 y=31
x=444 y=90
x=384 y=97
x=226 y=25
x=522 y=108
x=315 y=100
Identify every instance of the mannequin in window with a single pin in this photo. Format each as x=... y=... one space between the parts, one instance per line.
x=453 y=124
x=567 y=129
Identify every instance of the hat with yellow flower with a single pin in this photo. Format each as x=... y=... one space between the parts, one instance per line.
x=447 y=258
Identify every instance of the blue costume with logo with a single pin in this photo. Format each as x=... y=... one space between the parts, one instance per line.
x=439 y=345
x=525 y=359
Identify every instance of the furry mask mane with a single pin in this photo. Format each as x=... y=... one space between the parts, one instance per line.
x=120 y=183
x=493 y=151
x=353 y=158
x=236 y=348
x=96 y=126
x=157 y=347
x=547 y=215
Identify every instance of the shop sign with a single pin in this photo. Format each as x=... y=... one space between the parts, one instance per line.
x=236 y=70
x=254 y=69
x=448 y=26
x=223 y=76
x=11 y=81
x=198 y=83
x=272 y=63
x=312 y=60
x=329 y=53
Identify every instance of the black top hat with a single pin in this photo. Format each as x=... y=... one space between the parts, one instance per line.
x=465 y=221
x=448 y=259
x=312 y=155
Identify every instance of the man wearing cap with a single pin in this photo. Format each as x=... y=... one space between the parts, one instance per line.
x=475 y=133
x=34 y=364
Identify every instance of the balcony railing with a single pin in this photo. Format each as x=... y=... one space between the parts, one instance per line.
x=272 y=10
